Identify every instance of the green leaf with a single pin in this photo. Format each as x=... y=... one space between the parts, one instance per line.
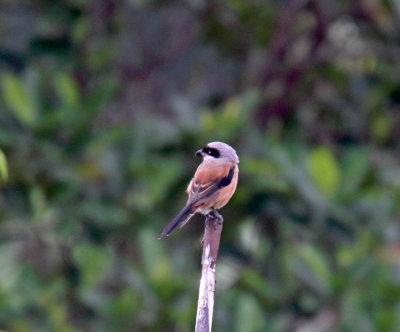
x=324 y=170
x=38 y=202
x=121 y=307
x=381 y=126
x=67 y=89
x=313 y=267
x=80 y=30
x=17 y=98
x=93 y=263
x=10 y=269
x=249 y=317
x=355 y=167
x=100 y=95
x=156 y=263
x=3 y=167
x=161 y=179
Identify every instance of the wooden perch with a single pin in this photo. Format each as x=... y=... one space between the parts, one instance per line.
x=205 y=305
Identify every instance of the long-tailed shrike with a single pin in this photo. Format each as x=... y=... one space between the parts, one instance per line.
x=212 y=186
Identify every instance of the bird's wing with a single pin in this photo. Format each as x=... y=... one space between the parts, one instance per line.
x=205 y=183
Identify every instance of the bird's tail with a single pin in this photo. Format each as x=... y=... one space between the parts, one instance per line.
x=181 y=218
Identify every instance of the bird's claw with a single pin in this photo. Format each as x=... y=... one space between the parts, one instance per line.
x=217 y=216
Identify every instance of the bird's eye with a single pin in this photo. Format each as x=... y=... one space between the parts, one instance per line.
x=211 y=152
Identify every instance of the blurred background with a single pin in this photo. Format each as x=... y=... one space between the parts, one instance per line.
x=102 y=106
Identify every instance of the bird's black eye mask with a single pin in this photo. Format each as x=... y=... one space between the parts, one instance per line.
x=211 y=152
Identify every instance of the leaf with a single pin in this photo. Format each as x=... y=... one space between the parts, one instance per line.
x=160 y=180
x=93 y=263
x=311 y=266
x=67 y=89
x=18 y=99
x=3 y=167
x=10 y=269
x=249 y=317
x=381 y=126
x=80 y=30
x=154 y=259
x=354 y=169
x=122 y=305
x=324 y=170
x=101 y=94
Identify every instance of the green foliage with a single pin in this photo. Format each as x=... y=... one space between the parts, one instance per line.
x=103 y=106
x=66 y=90
x=312 y=267
x=324 y=170
x=248 y=316
x=3 y=167
x=18 y=99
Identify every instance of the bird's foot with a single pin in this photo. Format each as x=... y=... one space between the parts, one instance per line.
x=217 y=216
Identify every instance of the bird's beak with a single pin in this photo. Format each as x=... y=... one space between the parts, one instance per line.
x=199 y=153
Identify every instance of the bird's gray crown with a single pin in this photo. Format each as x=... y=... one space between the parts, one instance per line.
x=219 y=150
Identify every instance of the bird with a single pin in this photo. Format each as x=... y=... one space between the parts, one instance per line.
x=212 y=185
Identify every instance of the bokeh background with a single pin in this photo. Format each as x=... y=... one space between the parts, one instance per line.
x=102 y=106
